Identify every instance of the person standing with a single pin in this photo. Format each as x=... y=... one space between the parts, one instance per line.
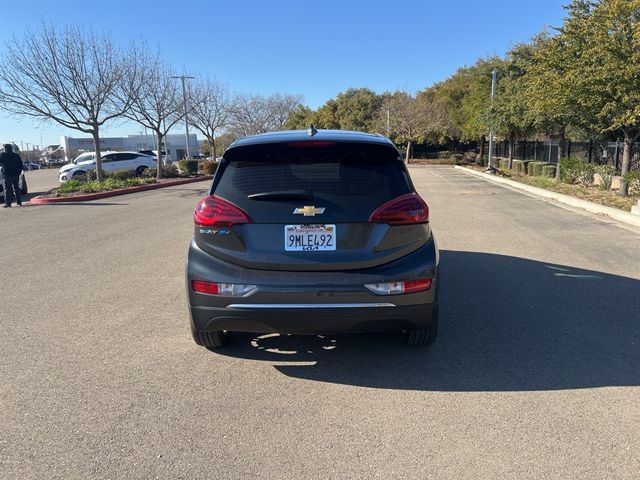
x=11 y=164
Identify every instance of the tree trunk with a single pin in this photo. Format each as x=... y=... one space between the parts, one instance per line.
x=562 y=144
x=480 y=158
x=159 y=155
x=408 y=155
x=626 y=160
x=512 y=142
x=96 y=149
x=562 y=141
x=212 y=144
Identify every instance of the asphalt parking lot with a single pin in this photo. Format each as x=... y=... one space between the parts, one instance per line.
x=535 y=373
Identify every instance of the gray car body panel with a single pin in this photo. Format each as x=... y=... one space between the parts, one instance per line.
x=303 y=293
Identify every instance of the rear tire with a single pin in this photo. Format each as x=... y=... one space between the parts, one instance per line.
x=211 y=340
x=140 y=171
x=80 y=176
x=420 y=337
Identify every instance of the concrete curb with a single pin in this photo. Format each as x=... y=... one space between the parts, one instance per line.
x=114 y=193
x=615 y=213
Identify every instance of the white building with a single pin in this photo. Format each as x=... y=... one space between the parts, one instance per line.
x=174 y=144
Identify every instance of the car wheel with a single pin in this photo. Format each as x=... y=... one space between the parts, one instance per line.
x=140 y=170
x=420 y=337
x=80 y=175
x=23 y=188
x=211 y=340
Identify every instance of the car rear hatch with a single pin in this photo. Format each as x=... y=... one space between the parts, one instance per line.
x=311 y=205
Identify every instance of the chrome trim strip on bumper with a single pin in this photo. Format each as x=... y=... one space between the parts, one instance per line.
x=309 y=305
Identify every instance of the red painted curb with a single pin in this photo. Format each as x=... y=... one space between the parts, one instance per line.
x=114 y=193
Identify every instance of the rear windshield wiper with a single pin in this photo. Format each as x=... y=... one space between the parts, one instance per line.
x=282 y=195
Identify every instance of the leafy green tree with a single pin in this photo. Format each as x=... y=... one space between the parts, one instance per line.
x=300 y=118
x=357 y=109
x=604 y=38
x=466 y=100
x=327 y=115
x=550 y=88
x=510 y=115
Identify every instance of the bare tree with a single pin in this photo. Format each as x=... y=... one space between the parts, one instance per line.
x=410 y=119
x=69 y=77
x=210 y=110
x=157 y=102
x=257 y=114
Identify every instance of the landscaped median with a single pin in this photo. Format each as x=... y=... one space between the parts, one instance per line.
x=614 y=213
x=110 y=188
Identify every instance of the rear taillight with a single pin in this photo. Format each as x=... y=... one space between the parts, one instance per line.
x=224 y=289
x=396 y=288
x=214 y=211
x=405 y=210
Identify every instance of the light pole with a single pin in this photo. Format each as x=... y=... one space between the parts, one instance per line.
x=490 y=168
x=186 y=115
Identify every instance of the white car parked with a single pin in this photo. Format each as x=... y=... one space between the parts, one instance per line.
x=111 y=162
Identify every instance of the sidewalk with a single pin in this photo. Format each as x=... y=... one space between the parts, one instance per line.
x=614 y=213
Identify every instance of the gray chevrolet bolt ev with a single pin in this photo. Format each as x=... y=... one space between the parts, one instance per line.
x=312 y=232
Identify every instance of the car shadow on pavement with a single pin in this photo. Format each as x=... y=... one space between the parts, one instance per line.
x=506 y=324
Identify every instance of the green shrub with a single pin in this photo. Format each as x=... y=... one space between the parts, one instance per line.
x=606 y=173
x=457 y=158
x=190 y=167
x=168 y=171
x=108 y=184
x=121 y=174
x=633 y=181
x=209 y=167
x=570 y=169
x=518 y=166
x=549 y=171
x=530 y=171
x=536 y=168
x=585 y=174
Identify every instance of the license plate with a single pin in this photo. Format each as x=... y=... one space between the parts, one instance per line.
x=300 y=238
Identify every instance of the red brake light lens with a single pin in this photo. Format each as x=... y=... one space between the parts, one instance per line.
x=214 y=211
x=205 y=287
x=408 y=209
x=397 y=288
x=413 y=286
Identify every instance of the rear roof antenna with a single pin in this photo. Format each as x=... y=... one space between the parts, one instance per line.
x=311 y=131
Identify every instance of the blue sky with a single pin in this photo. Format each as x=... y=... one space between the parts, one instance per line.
x=314 y=48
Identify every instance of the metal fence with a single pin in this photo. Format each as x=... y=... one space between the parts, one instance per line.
x=602 y=153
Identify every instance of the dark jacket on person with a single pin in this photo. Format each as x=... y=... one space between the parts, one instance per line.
x=11 y=164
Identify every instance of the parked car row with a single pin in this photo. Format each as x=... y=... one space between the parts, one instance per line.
x=111 y=161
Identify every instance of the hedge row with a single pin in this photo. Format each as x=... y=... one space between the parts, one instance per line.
x=527 y=167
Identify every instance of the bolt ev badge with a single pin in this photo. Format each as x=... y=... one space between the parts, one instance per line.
x=309 y=211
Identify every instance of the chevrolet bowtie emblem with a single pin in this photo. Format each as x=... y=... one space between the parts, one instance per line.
x=309 y=211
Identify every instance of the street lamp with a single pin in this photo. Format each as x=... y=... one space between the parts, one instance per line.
x=186 y=115
x=490 y=168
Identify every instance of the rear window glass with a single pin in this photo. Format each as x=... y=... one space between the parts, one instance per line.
x=373 y=174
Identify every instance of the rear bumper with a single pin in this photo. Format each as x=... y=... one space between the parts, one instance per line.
x=314 y=302
x=311 y=320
